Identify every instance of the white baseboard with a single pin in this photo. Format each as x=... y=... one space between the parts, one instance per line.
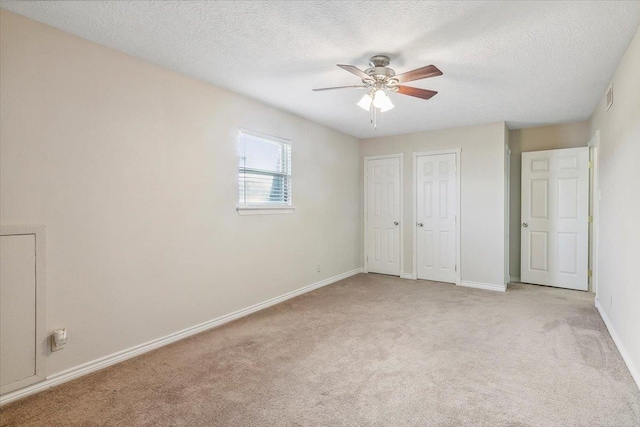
x=112 y=359
x=409 y=276
x=514 y=279
x=616 y=339
x=485 y=286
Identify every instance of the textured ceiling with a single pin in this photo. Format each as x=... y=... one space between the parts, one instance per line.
x=527 y=63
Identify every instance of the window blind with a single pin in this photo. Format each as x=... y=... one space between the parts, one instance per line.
x=264 y=171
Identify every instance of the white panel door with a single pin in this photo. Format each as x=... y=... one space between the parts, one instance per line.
x=555 y=218
x=17 y=310
x=436 y=191
x=383 y=216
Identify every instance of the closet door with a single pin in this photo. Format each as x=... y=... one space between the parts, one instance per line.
x=383 y=214
x=436 y=196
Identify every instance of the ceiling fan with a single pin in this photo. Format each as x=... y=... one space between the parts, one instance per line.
x=380 y=78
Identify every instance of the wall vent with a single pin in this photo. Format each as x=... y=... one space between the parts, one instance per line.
x=609 y=96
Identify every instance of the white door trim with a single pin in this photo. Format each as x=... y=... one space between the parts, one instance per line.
x=507 y=216
x=457 y=152
x=594 y=194
x=399 y=156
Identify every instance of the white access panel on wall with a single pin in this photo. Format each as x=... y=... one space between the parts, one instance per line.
x=555 y=218
x=383 y=213
x=22 y=304
x=436 y=211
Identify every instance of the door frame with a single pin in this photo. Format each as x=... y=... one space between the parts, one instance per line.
x=507 y=216
x=594 y=211
x=399 y=156
x=457 y=152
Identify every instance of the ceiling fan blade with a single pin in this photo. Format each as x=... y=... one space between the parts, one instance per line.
x=355 y=70
x=418 y=93
x=339 y=87
x=419 y=73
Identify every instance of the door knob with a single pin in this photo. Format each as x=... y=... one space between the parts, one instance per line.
x=395 y=223
x=420 y=224
x=525 y=225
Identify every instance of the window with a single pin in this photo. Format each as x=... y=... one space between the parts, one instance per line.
x=264 y=172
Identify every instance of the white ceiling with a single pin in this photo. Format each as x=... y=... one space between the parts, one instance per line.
x=527 y=63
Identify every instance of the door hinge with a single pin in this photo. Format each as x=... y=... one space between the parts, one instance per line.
x=590 y=218
x=455 y=268
x=589 y=273
x=590 y=164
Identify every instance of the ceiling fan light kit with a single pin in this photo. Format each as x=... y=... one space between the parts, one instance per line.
x=377 y=99
x=365 y=102
x=379 y=78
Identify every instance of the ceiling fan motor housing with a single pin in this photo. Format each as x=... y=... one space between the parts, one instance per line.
x=382 y=72
x=379 y=61
x=379 y=71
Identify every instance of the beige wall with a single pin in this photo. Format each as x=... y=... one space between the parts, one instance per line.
x=618 y=287
x=106 y=150
x=482 y=193
x=133 y=170
x=567 y=135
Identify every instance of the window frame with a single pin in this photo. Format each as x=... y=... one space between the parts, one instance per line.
x=265 y=209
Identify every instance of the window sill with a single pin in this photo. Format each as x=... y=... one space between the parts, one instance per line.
x=264 y=210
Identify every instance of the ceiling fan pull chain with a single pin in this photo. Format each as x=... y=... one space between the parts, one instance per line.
x=371 y=112
x=375 y=117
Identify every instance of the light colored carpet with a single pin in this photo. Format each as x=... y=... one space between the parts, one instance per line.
x=369 y=350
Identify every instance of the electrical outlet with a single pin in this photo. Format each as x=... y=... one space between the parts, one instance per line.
x=318 y=268
x=58 y=339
